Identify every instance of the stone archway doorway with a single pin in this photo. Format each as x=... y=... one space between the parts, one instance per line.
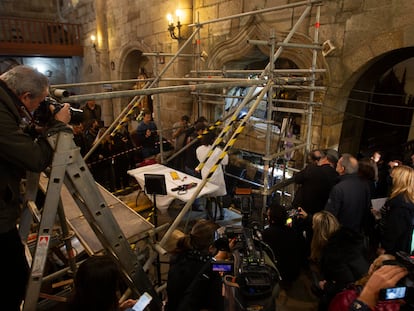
x=379 y=109
x=135 y=66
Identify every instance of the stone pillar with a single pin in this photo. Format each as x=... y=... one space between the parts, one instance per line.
x=103 y=57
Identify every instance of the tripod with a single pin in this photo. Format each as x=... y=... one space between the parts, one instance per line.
x=69 y=168
x=155 y=184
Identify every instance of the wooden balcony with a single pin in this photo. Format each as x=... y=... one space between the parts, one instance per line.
x=28 y=37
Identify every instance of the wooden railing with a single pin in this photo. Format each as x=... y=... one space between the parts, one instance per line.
x=30 y=37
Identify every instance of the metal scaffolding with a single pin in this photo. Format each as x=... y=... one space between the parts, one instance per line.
x=269 y=82
x=303 y=79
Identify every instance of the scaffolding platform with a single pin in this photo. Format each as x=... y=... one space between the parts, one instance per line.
x=133 y=225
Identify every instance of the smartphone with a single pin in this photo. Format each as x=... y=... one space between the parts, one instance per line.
x=142 y=302
x=392 y=293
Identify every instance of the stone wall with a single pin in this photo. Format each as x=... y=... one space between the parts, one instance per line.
x=362 y=32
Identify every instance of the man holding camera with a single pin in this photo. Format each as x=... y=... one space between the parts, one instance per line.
x=22 y=89
x=147 y=134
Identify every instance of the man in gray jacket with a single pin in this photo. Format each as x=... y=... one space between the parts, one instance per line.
x=22 y=89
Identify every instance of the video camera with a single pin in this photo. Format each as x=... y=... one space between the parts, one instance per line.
x=253 y=269
x=42 y=115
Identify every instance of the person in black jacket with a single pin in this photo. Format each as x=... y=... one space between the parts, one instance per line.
x=98 y=286
x=350 y=199
x=22 y=89
x=339 y=254
x=191 y=283
x=316 y=182
x=287 y=245
x=397 y=220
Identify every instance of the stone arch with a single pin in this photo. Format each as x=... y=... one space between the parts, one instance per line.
x=361 y=91
x=130 y=62
x=255 y=28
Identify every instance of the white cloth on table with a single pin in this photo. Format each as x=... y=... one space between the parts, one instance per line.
x=163 y=201
x=218 y=176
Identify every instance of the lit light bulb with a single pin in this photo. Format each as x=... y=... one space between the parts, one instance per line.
x=170 y=19
x=179 y=14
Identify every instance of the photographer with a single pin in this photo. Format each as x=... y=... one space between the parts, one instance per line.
x=191 y=284
x=148 y=135
x=343 y=300
x=22 y=89
x=386 y=276
x=287 y=245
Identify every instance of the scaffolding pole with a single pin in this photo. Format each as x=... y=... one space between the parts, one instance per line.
x=152 y=87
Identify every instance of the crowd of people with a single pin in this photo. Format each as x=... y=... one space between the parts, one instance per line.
x=343 y=233
x=351 y=250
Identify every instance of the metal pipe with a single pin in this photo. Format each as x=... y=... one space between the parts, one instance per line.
x=84 y=84
x=290 y=101
x=131 y=105
x=158 y=108
x=244 y=180
x=299 y=45
x=274 y=155
x=295 y=71
x=313 y=75
x=269 y=125
x=205 y=179
x=293 y=30
x=159 y=90
x=63 y=86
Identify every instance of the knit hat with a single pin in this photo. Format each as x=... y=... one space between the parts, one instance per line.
x=202 y=234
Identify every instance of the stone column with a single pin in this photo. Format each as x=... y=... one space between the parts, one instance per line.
x=103 y=57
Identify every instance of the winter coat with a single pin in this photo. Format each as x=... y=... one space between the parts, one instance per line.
x=342 y=262
x=316 y=183
x=19 y=152
x=343 y=300
x=192 y=284
x=397 y=224
x=349 y=201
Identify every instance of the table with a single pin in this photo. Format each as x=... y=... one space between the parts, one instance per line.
x=163 y=201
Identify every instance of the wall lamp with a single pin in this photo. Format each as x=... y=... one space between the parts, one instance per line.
x=93 y=40
x=172 y=26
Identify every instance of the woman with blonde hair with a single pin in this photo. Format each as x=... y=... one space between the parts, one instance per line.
x=324 y=224
x=339 y=254
x=397 y=215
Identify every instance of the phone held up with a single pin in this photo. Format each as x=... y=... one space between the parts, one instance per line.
x=142 y=302
x=393 y=293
